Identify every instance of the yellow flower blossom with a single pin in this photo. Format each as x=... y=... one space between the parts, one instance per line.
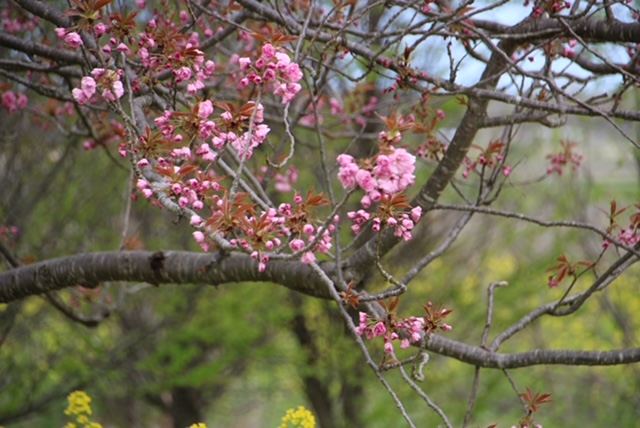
x=200 y=425
x=79 y=403
x=299 y=418
x=80 y=406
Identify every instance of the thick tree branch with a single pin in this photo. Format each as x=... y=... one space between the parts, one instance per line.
x=169 y=267
x=592 y=30
x=32 y=48
x=45 y=12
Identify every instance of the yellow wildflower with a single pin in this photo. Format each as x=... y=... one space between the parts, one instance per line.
x=299 y=418
x=79 y=403
x=199 y=425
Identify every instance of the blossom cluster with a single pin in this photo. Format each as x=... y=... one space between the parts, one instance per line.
x=14 y=102
x=9 y=230
x=391 y=174
x=244 y=131
x=107 y=82
x=567 y=156
x=182 y=55
x=491 y=157
x=407 y=330
x=268 y=231
x=14 y=24
x=470 y=165
x=382 y=178
x=629 y=236
x=274 y=67
x=628 y=233
x=71 y=38
x=186 y=60
x=403 y=225
x=254 y=232
x=371 y=328
x=433 y=149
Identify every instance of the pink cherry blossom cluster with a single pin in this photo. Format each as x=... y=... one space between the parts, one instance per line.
x=382 y=178
x=433 y=149
x=629 y=233
x=407 y=330
x=186 y=60
x=189 y=193
x=269 y=232
x=113 y=44
x=483 y=161
x=403 y=225
x=488 y=158
x=71 y=38
x=218 y=134
x=245 y=143
x=265 y=232
x=411 y=328
x=273 y=67
x=629 y=236
x=167 y=128
x=308 y=239
x=106 y=81
x=9 y=231
x=567 y=156
x=14 y=24
x=391 y=174
x=14 y=102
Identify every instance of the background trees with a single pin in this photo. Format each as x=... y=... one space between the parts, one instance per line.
x=361 y=154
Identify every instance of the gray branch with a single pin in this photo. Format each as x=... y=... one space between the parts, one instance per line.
x=162 y=267
x=481 y=357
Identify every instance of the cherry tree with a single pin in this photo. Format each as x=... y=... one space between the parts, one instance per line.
x=315 y=144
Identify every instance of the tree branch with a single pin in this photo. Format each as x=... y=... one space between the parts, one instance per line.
x=32 y=48
x=481 y=357
x=168 y=267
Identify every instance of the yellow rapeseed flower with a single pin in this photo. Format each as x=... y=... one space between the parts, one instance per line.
x=79 y=403
x=199 y=425
x=299 y=418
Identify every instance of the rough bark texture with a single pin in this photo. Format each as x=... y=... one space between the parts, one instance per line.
x=168 y=267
